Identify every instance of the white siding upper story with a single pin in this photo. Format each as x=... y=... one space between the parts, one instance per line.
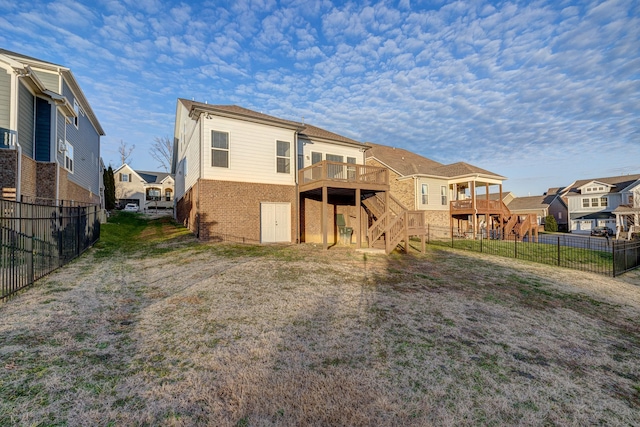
x=252 y=151
x=593 y=202
x=323 y=148
x=187 y=139
x=431 y=191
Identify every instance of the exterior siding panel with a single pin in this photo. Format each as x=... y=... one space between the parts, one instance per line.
x=5 y=98
x=50 y=80
x=252 y=152
x=25 y=121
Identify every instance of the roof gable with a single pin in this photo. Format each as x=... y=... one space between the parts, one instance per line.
x=615 y=183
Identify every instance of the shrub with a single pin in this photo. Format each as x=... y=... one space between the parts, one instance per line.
x=550 y=223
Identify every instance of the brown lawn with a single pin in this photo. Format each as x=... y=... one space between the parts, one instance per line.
x=181 y=333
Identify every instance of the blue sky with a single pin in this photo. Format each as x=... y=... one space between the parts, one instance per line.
x=541 y=92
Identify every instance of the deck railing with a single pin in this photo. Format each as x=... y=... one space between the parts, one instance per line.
x=343 y=172
x=8 y=138
x=481 y=205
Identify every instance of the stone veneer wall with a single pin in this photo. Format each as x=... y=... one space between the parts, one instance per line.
x=401 y=190
x=8 y=167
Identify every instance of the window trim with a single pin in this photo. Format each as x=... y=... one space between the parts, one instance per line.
x=443 y=195
x=278 y=157
x=69 y=162
x=424 y=193
x=220 y=149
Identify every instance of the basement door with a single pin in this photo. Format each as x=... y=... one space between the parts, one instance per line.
x=275 y=222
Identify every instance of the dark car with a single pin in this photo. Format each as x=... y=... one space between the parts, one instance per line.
x=602 y=231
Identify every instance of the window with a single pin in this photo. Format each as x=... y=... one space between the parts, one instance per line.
x=68 y=158
x=443 y=195
x=630 y=199
x=219 y=149
x=316 y=157
x=585 y=203
x=603 y=202
x=594 y=202
x=333 y=170
x=283 y=156
x=153 y=194
x=559 y=215
x=425 y=194
x=351 y=170
x=167 y=194
x=76 y=108
x=125 y=177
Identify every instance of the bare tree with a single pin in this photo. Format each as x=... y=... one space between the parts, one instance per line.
x=125 y=152
x=162 y=152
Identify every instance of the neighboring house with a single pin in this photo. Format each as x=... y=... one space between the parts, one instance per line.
x=49 y=134
x=536 y=205
x=595 y=202
x=557 y=207
x=453 y=197
x=148 y=190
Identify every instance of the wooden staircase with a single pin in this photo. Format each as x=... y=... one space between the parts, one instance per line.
x=390 y=225
x=518 y=226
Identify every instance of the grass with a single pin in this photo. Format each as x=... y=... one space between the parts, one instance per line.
x=151 y=327
x=598 y=261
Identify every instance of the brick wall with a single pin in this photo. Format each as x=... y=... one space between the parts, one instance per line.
x=438 y=218
x=8 y=167
x=231 y=210
x=46 y=176
x=186 y=209
x=29 y=177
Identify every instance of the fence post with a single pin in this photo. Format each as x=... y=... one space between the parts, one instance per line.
x=613 y=258
x=481 y=239
x=515 y=247
x=558 y=251
x=29 y=243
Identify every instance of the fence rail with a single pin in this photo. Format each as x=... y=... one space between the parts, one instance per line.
x=36 y=239
x=594 y=254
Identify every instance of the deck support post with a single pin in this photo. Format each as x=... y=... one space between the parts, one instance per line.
x=358 y=220
x=325 y=245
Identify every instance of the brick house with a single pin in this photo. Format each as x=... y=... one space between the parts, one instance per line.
x=49 y=135
x=453 y=197
x=147 y=189
x=246 y=176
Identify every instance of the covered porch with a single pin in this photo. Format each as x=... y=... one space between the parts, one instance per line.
x=474 y=209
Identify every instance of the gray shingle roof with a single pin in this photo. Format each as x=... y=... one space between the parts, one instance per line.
x=527 y=203
x=620 y=182
x=153 y=177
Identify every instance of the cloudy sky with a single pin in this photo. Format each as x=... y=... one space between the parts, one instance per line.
x=542 y=92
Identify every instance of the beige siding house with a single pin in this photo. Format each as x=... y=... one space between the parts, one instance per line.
x=148 y=190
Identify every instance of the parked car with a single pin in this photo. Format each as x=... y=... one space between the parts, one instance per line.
x=131 y=207
x=602 y=231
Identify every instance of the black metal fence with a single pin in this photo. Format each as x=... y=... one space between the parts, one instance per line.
x=626 y=256
x=36 y=239
x=595 y=254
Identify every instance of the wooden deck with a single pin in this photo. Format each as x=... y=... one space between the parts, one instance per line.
x=481 y=207
x=343 y=175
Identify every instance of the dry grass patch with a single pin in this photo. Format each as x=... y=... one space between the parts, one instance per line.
x=235 y=335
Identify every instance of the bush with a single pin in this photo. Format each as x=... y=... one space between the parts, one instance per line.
x=550 y=223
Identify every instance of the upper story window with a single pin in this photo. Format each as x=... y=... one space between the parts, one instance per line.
x=125 y=177
x=68 y=158
x=443 y=195
x=585 y=203
x=425 y=194
x=283 y=156
x=315 y=157
x=76 y=108
x=594 y=202
x=603 y=202
x=219 y=149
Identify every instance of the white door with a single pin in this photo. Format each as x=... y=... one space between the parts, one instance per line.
x=275 y=222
